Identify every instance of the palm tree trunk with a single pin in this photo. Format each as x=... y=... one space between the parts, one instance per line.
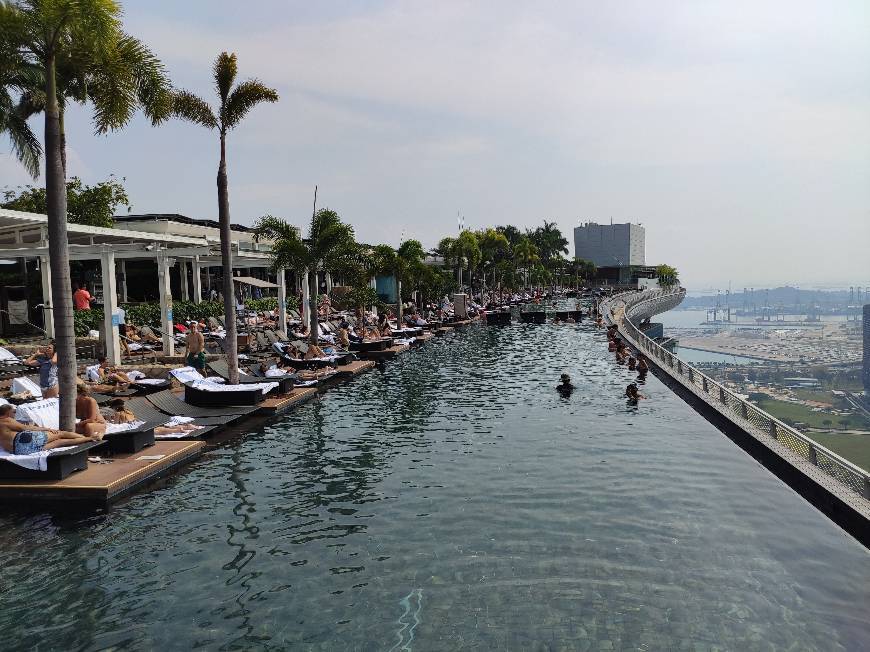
x=62 y=129
x=399 y=301
x=232 y=340
x=313 y=331
x=58 y=254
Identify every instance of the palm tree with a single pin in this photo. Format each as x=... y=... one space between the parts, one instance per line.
x=87 y=32
x=330 y=246
x=525 y=254
x=19 y=75
x=234 y=105
x=126 y=77
x=403 y=264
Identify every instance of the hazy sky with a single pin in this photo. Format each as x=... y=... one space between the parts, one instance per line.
x=738 y=133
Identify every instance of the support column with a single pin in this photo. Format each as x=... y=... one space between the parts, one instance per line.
x=124 y=281
x=282 y=300
x=47 y=312
x=182 y=273
x=110 y=307
x=197 y=280
x=165 y=305
x=328 y=278
x=306 y=300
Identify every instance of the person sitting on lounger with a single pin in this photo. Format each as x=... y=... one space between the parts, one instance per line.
x=91 y=422
x=108 y=374
x=314 y=351
x=343 y=339
x=21 y=439
x=45 y=358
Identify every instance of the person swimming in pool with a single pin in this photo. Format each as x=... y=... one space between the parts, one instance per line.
x=632 y=394
x=565 y=387
x=22 y=439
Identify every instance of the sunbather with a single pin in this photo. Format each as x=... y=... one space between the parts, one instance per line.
x=21 y=439
x=106 y=374
x=314 y=351
x=123 y=414
x=45 y=358
x=91 y=422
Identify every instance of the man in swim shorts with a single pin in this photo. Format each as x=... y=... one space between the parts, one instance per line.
x=195 y=348
x=21 y=439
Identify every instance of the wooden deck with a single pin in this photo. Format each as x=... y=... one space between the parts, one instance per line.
x=355 y=368
x=105 y=483
x=386 y=354
x=285 y=402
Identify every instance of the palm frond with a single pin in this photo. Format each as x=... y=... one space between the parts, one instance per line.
x=25 y=144
x=224 y=69
x=244 y=97
x=187 y=106
x=153 y=89
x=274 y=228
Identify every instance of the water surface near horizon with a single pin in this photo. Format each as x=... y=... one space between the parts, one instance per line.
x=452 y=501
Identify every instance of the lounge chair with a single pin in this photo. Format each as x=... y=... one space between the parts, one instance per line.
x=55 y=464
x=285 y=382
x=167 y=402
x=144 y=409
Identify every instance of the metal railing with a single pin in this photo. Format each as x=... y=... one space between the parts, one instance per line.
x=623 y=309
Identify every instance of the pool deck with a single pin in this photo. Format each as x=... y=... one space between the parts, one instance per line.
x=101 y=484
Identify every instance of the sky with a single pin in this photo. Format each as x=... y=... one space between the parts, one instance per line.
x=737 y=133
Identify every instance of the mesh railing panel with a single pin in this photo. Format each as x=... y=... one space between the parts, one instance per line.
x=622 y=308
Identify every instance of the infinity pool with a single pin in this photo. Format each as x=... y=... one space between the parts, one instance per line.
x=452 y=501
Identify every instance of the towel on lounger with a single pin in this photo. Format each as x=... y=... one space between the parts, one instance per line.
x=44 y=413
x=209 y=386
x=26 y=385
x=34 y=461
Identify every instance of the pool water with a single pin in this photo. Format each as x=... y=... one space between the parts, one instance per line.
x=453 y=500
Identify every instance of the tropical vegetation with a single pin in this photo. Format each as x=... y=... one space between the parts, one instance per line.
x=91 y=205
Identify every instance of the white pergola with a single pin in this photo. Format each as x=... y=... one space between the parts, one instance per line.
x=25 y=235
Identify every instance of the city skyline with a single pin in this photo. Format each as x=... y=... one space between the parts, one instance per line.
x=739 y=139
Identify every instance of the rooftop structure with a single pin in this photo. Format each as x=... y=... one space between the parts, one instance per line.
x=607 y=245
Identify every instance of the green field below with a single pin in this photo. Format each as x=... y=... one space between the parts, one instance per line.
x=855 y=448
x=794 y=412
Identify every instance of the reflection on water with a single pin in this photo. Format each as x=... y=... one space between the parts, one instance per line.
x=454 y=499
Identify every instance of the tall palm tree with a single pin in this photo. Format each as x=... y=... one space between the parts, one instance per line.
x=234 y=106
x=525 y=254
x=330 y=246
x=87 y=32
x=18 y=75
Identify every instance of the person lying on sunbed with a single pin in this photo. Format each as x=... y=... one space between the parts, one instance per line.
x=343 y=338
x=91 y=422
x=107 y=374
x=313 y=352
x=21 y=439
x=123 y=414
x=303 y=374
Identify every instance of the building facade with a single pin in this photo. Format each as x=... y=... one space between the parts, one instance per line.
x=866 y=369
x=611 y=245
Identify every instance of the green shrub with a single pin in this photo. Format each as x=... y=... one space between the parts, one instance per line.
x=148 y=314
x=87 y=320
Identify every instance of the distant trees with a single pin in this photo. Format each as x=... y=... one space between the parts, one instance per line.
x=91 y=205
x=667 y=275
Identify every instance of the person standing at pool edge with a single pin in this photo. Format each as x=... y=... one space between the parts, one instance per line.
x=195 y=348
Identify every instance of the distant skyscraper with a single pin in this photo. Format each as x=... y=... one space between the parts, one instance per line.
x=611 y=245
x=867 y=351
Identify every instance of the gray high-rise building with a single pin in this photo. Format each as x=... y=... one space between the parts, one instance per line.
x=866 y=374
x=611 y=245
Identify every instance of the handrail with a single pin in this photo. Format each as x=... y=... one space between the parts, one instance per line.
x=622 y=308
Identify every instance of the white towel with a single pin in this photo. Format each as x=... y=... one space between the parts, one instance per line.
x=150 y=381
x=7 y=356
x=26 y=385
x=186 y=374
x=34 y=461
x=112 y=428
x=209 y=386
x=44 y=413
x=92 y=373
x=177 y=421
x=134 y=374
